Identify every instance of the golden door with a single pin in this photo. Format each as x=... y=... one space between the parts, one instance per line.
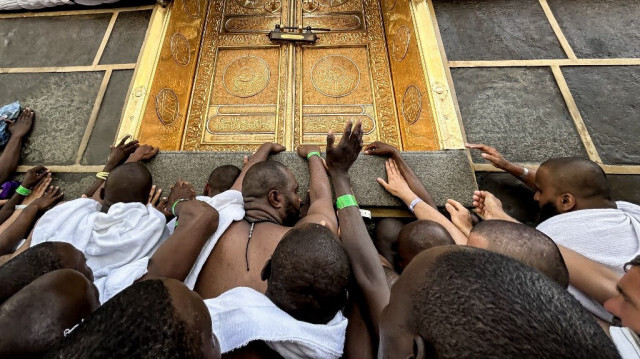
x=221 y=85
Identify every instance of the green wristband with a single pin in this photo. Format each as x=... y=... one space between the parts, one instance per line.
x=348 y=200
x=23 y=191
x=173 y=208
x=314 y=153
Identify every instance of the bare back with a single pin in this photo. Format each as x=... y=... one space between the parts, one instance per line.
x=226 y=267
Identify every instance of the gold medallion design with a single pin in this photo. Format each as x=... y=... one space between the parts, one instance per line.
x=400 y=43
x=335 y=76
x=412 y=104
x=167 y=106
x=333 y=3
x=246 y=76
x=251 y=4
x=180 y=49
x=192 y=8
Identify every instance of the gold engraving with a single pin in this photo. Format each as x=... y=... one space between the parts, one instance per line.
x=251 y=24
x=292 y=37
x=335 y=22
x=310 y=6
x=335 y=76
x=333 y=3
x=167 y=106
x=251 y=4
x=246 y=76
x=400 y=44
x=180 y=49
x=391 y=4
x=412 y=104
x=273 y=6
x=192 y=8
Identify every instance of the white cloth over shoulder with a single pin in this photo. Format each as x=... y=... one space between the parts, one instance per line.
x=117 y=244
x=610 y=237
x=230 y=207
x=41 y=4
x=626 y=341
x=242 y=315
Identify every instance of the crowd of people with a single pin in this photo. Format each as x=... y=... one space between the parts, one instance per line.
x=247 y=270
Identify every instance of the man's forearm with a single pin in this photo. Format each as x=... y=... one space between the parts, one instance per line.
x=519 y=172
x=10 y=157
x=11 y=237
x=7 y=209
x=412 y=180
x=424 y=211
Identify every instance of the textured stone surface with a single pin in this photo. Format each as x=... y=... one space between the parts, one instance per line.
x=104 y=131
x=63 y=104
x=517 y=198
x=520 y=111
x=597 y=29
x=73 y=185
x=126 y=38
x=51 y=41
x=446 y=174
x=608 y=101
x=496 y=30
x=625 y=187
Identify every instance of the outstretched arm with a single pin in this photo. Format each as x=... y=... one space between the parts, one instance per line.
x=11 y=237
x=363 y=256
x=117 y=156
x=11 y=153
x=398 y=187
x=490 y=207
x=261 y=155
x=589 y=277
x=321 y=208
x=382 y=149
x=31 y=179
x=526 y=175
x=197 y=221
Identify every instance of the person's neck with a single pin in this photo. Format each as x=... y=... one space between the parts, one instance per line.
x=595 y=203
x=257 y=210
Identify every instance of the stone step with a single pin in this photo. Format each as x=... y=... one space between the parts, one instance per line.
x=446 y=174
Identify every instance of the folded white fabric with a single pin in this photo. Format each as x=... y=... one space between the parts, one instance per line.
x=608 y=236
x=626 y=341
x=41 y=4
x=242 y=315
x=230 y=207
x=117 y=244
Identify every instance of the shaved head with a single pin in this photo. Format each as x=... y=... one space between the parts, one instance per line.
x=128 y=183
x=418 y=236
x=523 y=243
x=581 y=177
x=222 y=179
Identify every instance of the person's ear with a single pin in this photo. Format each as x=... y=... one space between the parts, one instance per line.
x=266 y=271
x=567 y=202
x=102 y=193
x=274 y=198
x=418 y=348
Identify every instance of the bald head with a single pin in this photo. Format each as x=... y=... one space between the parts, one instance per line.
x=522 y=243
x=128 y=183
x=418 y=236
x=308 y=274
x=581 y=177
x=221 y=179
x=264 y=177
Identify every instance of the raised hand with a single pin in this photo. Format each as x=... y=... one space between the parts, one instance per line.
x=50 y=197
x=34 y=176
x=154 y=196
x=23 y=124
x=120 y=153
x=490 y=154
x=38 y=190
x=341 y=158
x=379 y=148
x=460 y=216
x=143 y=153
x=396 y=184
x=488 y=206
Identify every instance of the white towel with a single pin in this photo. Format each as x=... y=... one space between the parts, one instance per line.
x=608 y=236
x=230 y=207
x=626 y=341
x=41 y=4
x=117 y=244
x=242 y=315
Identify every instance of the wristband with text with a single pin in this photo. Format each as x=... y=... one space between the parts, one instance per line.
x=173 y=208
x=314 y=153
x=23 y=191
x=348 y=200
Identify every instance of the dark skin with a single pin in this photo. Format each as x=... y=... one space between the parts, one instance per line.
x=365 y=263
x=498 y=161
x=229 y=254
x=31 y=179
x=11 y=154
x=11 y=237
x=382 y=149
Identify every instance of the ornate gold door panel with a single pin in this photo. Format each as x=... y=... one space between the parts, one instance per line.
x=221 y=84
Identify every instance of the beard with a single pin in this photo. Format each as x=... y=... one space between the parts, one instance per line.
x=547 y=211
x=292 y=214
